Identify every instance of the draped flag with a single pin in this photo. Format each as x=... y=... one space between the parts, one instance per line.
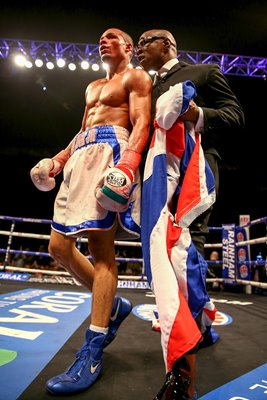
x=178 y=186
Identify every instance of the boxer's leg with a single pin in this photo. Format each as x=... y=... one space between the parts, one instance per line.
x=63 y=249
x=87 y=367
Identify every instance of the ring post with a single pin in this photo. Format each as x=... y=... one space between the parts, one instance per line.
x=10 y=237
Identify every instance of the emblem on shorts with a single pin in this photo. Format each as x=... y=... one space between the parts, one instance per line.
x=116 y=179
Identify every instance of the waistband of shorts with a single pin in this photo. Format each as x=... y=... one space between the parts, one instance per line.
x=99 y=134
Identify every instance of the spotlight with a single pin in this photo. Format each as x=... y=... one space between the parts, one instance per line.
x=85 y=64
x=61 y=62
x=50 y=65
x=38 y=62
x=20 y=60
x=95 y=67
x=28 y=64
x=72 y=66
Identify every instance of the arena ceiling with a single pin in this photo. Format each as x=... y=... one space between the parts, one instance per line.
x=233 y=27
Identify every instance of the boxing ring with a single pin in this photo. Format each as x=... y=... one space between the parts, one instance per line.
x=44 y=314
x=234 y=267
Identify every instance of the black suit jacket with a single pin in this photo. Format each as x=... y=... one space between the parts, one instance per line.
x=222 y=110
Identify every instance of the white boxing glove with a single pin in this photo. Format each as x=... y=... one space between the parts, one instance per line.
x=43 y=174
x=115 y=192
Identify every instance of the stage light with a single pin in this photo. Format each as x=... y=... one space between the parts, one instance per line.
x=230 y=64
x=38 y=63
x=85 y=64
x=20 y=60
x=61 y=62
x=28 y=64
x=72 y=66
x=95 y=67
x=50 y=65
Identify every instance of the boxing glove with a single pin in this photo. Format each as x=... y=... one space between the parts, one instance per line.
x=115 y=192
x=43 y=173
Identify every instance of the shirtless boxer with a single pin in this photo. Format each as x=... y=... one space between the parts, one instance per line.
x=99 y=197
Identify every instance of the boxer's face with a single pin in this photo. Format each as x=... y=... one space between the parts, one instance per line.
x=111 y=44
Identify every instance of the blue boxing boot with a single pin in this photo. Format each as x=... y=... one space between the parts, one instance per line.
x=120 y=310
x=84 y=371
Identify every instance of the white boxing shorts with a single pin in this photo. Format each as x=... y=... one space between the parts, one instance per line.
x=76 y=209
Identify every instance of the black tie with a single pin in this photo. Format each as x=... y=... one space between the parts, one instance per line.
x=157 y=85
x=156 y=92
x=157 y=80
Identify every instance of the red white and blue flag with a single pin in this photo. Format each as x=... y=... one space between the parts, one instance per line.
x=178 y=186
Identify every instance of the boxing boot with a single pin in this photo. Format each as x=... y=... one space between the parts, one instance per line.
x=84 y=371
x=121 y=309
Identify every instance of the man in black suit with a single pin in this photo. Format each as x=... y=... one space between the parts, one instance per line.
x=215 y=112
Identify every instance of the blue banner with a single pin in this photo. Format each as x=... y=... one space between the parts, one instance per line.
x=243 y=254
x=228 y=254
x=34 y=325
x=14 y=276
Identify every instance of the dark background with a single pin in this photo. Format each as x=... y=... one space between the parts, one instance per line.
x=36 y=124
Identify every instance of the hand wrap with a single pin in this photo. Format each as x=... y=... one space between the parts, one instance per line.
x=115 y=192
x=43 y=173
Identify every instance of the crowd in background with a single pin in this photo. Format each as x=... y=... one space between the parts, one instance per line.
x=124 y=255
x=33 y=261
x=43 y=261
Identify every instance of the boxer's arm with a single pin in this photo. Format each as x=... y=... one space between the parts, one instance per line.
x=116 y=190
x=59 y=161
x=140 y=87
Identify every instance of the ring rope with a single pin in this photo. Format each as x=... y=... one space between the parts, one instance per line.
x=12 y=233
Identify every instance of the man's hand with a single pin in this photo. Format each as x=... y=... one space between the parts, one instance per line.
x=191 y=114
x=116 y=190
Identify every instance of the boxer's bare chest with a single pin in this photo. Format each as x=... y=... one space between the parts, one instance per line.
x=111 y=93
